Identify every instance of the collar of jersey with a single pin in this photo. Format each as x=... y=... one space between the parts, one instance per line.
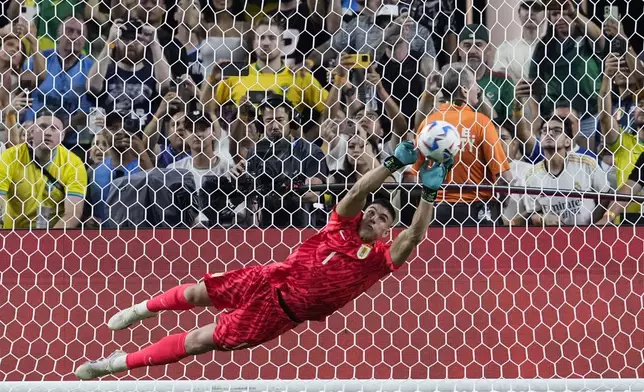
x=258 y=70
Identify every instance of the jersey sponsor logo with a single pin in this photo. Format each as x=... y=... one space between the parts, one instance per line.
x=364 y=251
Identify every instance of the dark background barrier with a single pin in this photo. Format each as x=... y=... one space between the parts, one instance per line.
x=475 y=303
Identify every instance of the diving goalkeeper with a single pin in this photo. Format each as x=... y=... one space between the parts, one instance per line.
x=323 y=274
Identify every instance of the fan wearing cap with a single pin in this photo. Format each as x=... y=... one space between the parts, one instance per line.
x=475 y=50
x=515 y=55
x=130 y=71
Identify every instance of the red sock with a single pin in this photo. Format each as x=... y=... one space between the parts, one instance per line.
x=167 y=350
x=172 y=299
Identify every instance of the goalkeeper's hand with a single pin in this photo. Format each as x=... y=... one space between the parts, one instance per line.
x=433 y=177
x=405 y=154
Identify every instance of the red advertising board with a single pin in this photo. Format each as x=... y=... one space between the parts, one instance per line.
x=474 y=303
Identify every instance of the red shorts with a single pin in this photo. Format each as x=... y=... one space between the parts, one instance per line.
x=253 y=314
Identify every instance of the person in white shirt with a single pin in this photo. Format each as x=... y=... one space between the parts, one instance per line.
x=564 y=170
x=202 y=136
x=513 y=207
x=515 y=55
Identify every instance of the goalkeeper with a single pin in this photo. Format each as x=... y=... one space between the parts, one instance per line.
x=322 y=275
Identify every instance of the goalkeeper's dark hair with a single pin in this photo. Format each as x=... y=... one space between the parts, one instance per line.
x=454 y=77
x=387 y=205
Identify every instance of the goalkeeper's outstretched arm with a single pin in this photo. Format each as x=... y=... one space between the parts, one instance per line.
x=356 y=198
x=411 y=237
x=351 y=205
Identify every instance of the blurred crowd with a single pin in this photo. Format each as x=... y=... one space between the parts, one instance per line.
x=220 y=113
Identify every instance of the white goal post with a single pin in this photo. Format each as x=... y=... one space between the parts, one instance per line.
x=481 y=385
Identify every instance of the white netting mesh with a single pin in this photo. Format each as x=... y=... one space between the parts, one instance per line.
x=199 y=125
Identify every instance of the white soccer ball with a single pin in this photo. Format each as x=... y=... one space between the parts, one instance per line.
x=439 y=141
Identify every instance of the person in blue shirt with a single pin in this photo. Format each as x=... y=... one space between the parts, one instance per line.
x=127 y=156
x=65 y=83
x=176 y=147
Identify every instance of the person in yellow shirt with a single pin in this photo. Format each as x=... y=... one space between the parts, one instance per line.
x=269 y=73
x=626 y=143
x=42 y=184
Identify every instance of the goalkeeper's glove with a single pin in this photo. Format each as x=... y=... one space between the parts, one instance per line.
x=405 y=154
x=433 y=177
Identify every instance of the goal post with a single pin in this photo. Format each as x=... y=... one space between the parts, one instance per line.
x=505 y=385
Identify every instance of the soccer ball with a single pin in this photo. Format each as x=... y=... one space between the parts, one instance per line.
x=439 y=141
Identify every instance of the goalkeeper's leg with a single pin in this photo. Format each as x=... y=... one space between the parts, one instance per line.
x=168 y=350
x=182 y=297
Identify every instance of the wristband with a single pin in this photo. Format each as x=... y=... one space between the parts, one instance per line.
x=429 y=195
x=393 y=164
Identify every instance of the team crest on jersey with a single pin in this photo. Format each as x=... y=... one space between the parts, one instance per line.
x=364 y=251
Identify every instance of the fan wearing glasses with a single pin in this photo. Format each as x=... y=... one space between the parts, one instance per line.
x=563 y=170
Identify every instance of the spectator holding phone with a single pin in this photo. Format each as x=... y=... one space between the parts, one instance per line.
x=514 y=56
x=63 y=84
x=497 y=90
x=124 y=78
x=566 y=61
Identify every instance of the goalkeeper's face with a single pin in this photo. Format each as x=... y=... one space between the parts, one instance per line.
x=376 y=223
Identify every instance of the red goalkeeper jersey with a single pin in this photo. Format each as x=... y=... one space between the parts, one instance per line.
x=330 y=269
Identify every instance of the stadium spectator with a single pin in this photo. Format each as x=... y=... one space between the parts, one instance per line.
x=532 y=145
x=203 y=134
x=225 y=35
x=51 y=14
x=563 y=170
x=357 y=162
x=403 y=70
x=633 y=186
x=126 y=156
x=124 y=78
x=267 y=74
x=100 y=147
x=304 y=27
x=514 y=56
x=14 y=83
x=442 y=19
x=566 y=61
x=63 y=84
x=42 y=184
x=482 y=159
x=9 y=11
x=475 y=50
x=513 y=207
x=364 y=33
x=205 y=160
x=183 y=53
x=625 y=143
x=177 y=147
x=278 y=164
x=383 y=130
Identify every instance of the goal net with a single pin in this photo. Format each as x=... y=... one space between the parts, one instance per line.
x=147 y=143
